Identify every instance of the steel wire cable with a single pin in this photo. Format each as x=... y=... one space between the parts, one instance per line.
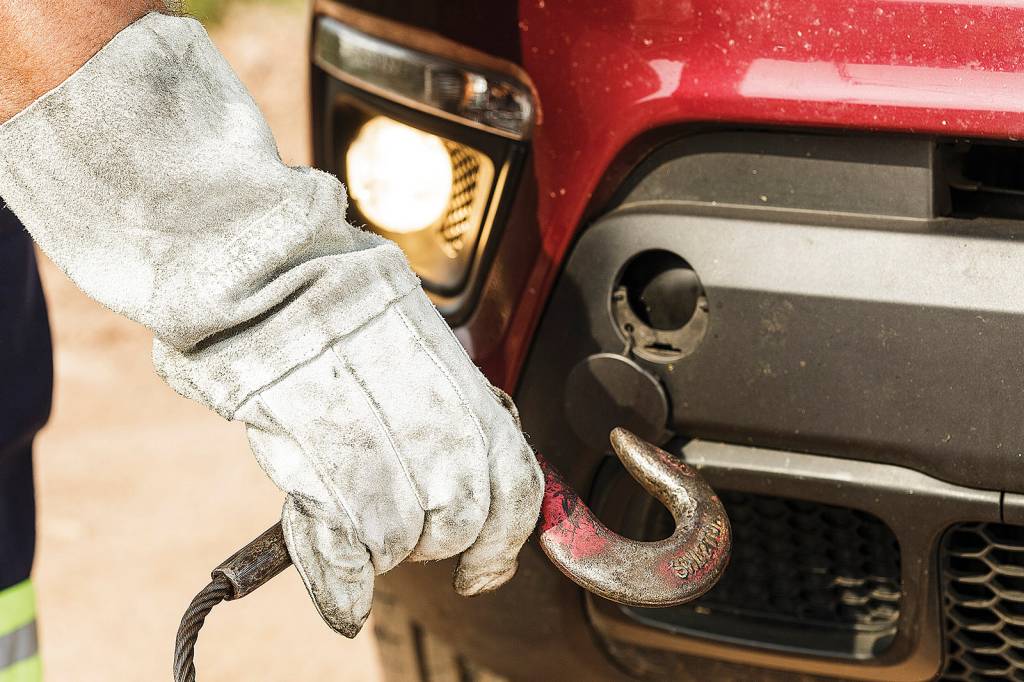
x=217 y=591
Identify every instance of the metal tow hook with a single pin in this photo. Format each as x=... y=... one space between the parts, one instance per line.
x=667 y=572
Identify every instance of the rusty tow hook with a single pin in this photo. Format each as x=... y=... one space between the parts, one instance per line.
x=667 y=572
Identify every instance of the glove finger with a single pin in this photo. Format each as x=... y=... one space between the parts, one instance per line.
x=517 y=486
x=515 y=480
x=430 y=424
x=334 y=565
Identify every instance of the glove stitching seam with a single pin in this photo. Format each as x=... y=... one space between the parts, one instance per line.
x=437 y=363
x=327 y=347
x=317 y=465
x=465 y=353
x=378 y=414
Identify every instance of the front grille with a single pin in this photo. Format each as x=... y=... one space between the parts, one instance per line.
x=804 y=576
x=983 y=598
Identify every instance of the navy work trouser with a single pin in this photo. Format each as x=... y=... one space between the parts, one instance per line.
x=26 y=382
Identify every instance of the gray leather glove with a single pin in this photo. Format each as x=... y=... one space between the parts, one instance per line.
x=393 y=446
x=152 y=180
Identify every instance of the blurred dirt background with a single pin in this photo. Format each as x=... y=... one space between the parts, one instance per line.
x=141 y=492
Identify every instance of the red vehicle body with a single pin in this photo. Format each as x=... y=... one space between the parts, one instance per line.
x=930 y=90
x=610 y=75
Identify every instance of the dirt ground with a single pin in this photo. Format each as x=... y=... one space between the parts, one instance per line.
x=141 y=492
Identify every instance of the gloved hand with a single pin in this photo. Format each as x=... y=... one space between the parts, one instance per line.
x=392 y=446
x=152 y=180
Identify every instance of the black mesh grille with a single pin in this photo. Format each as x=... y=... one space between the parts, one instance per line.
x=803 y=575
x=460 y=218
x=983 y=597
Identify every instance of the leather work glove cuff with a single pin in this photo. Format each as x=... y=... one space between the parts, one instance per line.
x=151 y=178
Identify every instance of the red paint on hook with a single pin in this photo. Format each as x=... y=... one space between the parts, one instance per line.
x=656 y=573
x=564 y=518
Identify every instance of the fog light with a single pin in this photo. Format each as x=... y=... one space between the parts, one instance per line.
x=400 y=178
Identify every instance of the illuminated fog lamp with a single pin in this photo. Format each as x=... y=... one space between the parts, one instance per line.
x=400 y=178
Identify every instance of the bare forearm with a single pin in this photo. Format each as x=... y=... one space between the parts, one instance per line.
x=45 y=41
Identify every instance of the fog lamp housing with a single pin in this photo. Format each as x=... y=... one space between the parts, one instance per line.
x=429 y=149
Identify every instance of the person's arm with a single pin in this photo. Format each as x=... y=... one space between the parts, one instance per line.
x=45 y=41
x=150 y=177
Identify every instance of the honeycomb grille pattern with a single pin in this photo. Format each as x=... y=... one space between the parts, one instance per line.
x=460 y=218
x=983 y=597
x=811 y=563
x=804 y=576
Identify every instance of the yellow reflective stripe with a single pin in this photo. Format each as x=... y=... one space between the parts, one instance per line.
x=25 y=670
x=17 y=606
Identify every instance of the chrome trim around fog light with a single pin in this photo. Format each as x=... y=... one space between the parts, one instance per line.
x=429 y=83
